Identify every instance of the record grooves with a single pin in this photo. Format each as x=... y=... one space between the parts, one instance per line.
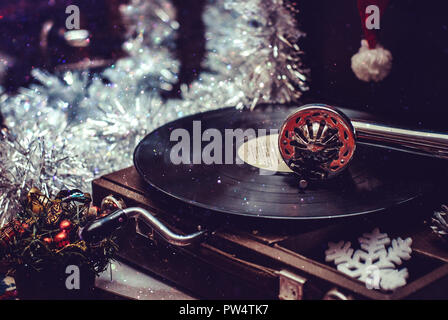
x=377 y=178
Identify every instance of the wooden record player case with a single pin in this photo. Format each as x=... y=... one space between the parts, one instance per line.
x=239 y=261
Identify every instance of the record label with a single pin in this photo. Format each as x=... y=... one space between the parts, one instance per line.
x=263 y=153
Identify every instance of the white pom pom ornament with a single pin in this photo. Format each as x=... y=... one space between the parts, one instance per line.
x=371 y=64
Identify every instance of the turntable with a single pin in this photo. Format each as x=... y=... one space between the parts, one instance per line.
x=242 y=204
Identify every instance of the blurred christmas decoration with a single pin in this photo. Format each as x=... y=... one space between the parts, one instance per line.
x=439 y=223
x=73 y=125
x=372 y=62
x=43 y=234
x=110 y=204
x=151 y=33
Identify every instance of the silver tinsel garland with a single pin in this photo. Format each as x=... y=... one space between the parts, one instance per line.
x=39 y=156
x=153 y=22
x=75 y=126
x=254 y=47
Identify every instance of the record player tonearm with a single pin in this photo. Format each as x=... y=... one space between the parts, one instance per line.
x=318 y=141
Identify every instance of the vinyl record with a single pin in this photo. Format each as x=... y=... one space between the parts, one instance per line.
x=376 y=179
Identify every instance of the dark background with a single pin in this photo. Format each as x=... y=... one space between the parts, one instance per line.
x=416 y=32
x=21 y=24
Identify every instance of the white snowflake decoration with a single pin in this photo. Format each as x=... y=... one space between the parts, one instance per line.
x=373 y=263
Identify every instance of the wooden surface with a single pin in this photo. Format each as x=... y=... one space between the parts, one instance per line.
x=126 y=282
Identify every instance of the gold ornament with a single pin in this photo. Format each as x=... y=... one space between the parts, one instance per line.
x=37 y=201
x=54 y=212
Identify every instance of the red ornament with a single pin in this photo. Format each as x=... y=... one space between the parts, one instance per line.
x=65 y=225
x=61 y=239
x=48 y=240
